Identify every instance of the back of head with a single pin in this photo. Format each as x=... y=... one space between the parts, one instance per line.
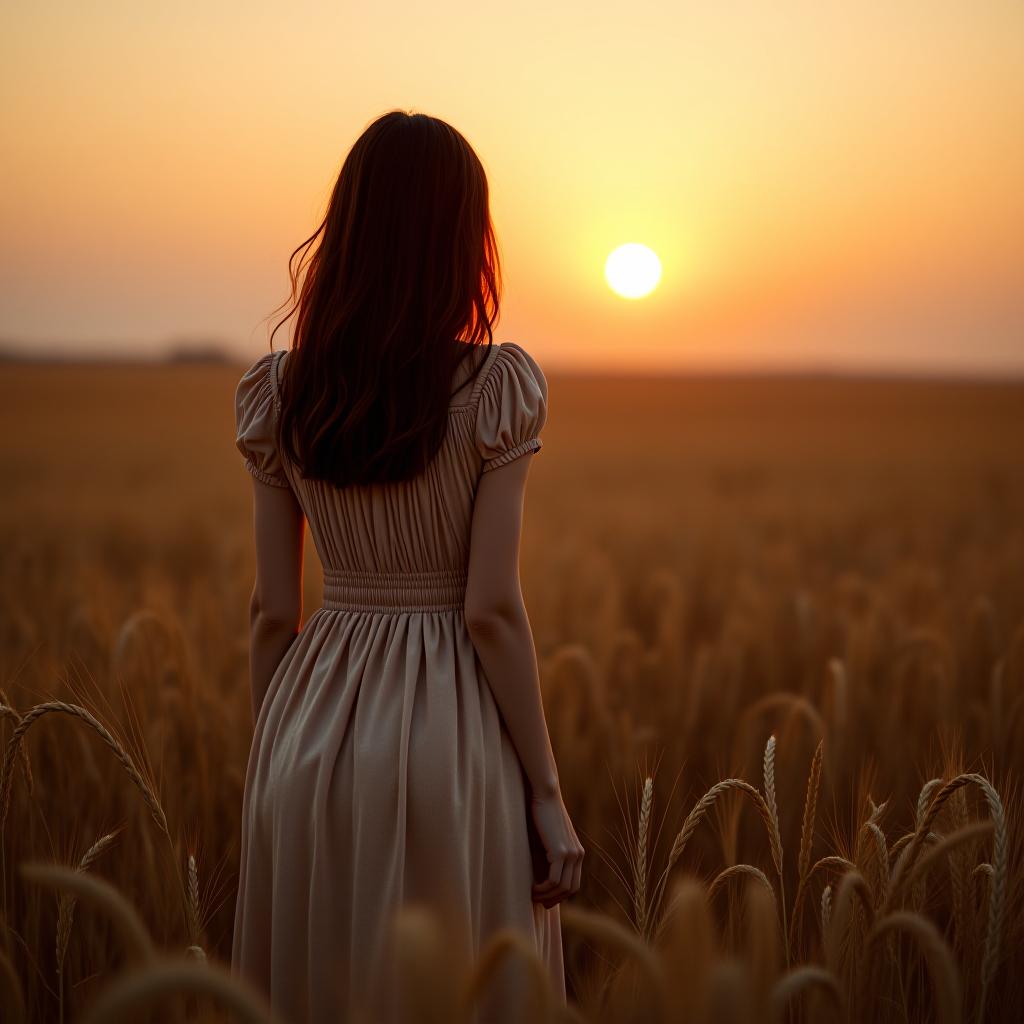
x=400 y=283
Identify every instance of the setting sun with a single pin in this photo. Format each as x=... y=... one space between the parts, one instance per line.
x=632 y=270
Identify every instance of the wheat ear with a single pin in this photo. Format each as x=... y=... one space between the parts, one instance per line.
x=96 y=725
x=739 y=871
x=776 y=832
x=640 y=857
x=696 y=816
x=193 y=914
x=66 y=910
x=7 y=711
x=807 y=836
x=997 y=901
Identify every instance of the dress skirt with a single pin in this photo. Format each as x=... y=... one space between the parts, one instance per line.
x=381 y=775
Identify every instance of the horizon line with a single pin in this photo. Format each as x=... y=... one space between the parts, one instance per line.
x=215 y=354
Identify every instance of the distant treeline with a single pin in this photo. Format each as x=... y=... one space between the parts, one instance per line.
x=173 y=352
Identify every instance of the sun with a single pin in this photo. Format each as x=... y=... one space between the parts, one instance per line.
x=632 y=270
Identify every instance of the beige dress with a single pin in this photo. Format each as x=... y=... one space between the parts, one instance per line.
x=381 y=772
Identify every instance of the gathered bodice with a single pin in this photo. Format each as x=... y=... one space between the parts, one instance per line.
x=402 y=544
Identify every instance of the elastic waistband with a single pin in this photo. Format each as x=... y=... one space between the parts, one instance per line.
x=439 y=590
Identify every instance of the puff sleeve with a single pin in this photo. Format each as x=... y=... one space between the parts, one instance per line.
x=512 y=408
x=256 y=420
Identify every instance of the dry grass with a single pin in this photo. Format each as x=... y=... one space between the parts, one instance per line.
x=798 y=598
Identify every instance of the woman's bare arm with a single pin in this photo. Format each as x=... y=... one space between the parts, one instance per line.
x=497 y=620
x=275 y=609
x=500 y=629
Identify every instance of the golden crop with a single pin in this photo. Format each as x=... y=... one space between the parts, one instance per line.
x=781 y=626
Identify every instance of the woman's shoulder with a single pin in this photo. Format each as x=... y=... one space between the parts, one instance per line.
x=257 y=404
x=514 y=368
x=262 y=376
x=512 y=406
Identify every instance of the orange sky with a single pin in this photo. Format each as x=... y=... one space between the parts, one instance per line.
x=826 y=184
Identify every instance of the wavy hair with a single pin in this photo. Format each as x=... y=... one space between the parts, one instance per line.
x=400 y=283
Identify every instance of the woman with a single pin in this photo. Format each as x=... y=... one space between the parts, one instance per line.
x=400 y=753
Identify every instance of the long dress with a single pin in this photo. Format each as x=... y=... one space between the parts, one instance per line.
x=381 y=773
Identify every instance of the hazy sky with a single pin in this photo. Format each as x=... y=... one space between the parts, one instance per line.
x=832 y=184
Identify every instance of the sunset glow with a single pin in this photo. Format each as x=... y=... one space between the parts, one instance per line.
x=831 y=184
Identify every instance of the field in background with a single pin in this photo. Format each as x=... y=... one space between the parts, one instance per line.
x=707 y=562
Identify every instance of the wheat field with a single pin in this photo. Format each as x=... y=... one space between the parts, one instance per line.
x=781 y=632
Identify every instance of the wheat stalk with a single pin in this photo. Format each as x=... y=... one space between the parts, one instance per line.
x=962 y=837
x=1000 y=856
x=803 y=979
x=640 y=858
x=769 y=780
x=959 y=872
x=136 y=940
x=910 y=853
x=882 y=854
x=831 y=861
x=997 y=891
x=501 y=944
x=852 y=885
x=155 y=984
x=67 y=903
x=807 y=836
x=737 y=871
x=941 y=965
x=697 y=815
x=602 y=928
x=97 y=726
x=13 y=1003
x=901 y=844
x=924 y=799
x=776 y=831
x=66 y=910
x=7 y=711
x=194 y=915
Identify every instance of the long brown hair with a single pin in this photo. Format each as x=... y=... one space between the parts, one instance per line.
x=404 y=284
